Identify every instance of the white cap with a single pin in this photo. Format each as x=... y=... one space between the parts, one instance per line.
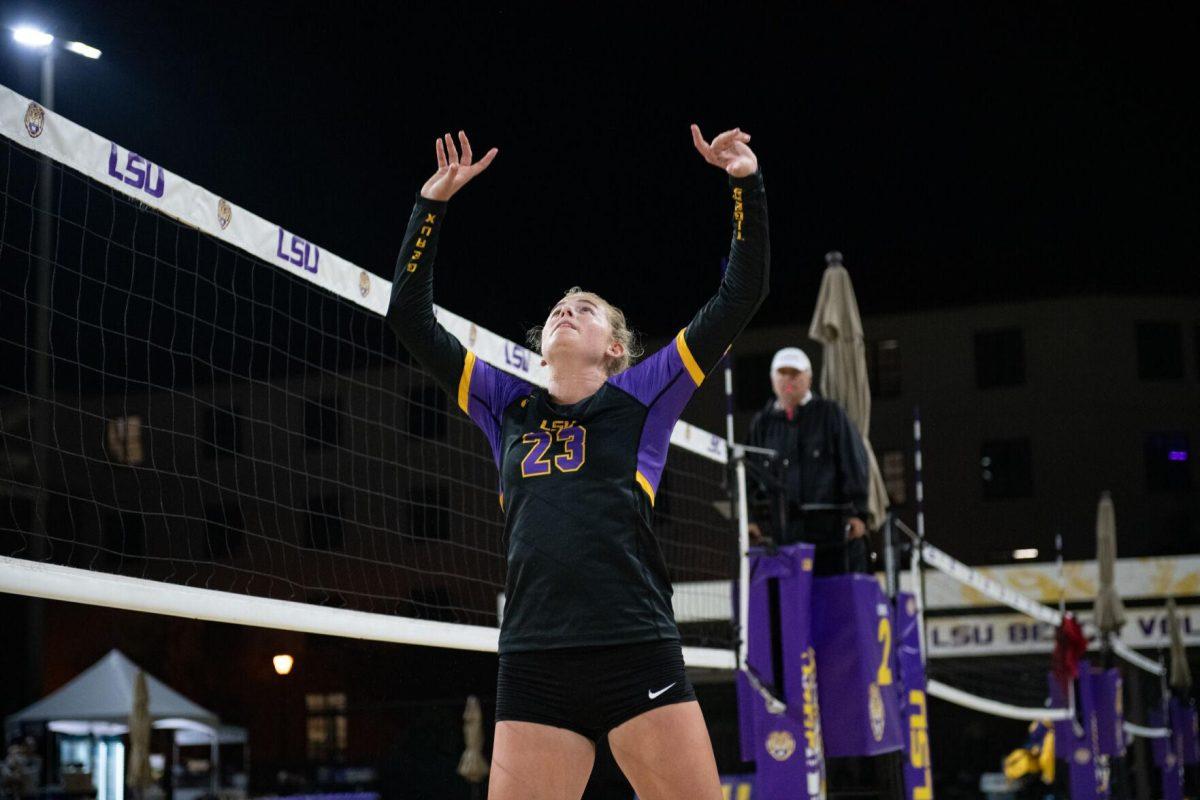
x=792 y=357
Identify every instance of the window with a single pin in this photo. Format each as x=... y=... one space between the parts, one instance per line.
x=325 y=522
x=327 y=728
x=1168 y=457
x=427 y=412
x=222 y=432
x=1160 y=351
x=895 y=476
x=322 y=422
x=752 y=381
x=1006 y=469
x=999 y=358
x=883 y=368
x=224 y=530
x=123 y=437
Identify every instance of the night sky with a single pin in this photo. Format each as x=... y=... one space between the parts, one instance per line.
x=954 y=153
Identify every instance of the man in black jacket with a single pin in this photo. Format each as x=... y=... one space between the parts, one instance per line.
x=823 y=467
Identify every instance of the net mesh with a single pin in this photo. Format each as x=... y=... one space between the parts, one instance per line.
x=1015 y=685
x=216 y=421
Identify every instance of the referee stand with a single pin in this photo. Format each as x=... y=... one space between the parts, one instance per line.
x=838 y=632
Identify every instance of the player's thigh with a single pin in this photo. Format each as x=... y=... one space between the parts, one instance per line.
x=539 y=762
x=666 y=754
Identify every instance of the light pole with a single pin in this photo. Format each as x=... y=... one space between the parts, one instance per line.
x=39 y=40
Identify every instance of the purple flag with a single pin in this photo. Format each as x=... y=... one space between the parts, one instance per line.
x=856 y=664
x=1073 y=738
x=918 y=767
x=1089 y=702
x=786 y=747
x=1184 y=730
x=1106 y=690
x=1167 y=758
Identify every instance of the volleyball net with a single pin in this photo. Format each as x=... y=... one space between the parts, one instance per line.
x=988 y=645
x=203 y=413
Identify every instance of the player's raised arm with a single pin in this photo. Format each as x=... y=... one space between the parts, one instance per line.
x=411 y=310
x=746 y=279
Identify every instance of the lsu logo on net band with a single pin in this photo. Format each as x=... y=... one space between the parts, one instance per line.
x=133 y=170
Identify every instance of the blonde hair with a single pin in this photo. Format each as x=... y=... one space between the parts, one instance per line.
x=621 y=333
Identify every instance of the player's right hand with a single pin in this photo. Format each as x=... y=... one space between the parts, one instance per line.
x=454 y=171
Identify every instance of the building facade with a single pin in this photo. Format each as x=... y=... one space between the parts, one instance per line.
x=1029 y=411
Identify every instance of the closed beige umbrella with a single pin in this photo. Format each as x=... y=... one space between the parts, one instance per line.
x=138 y=777
x=1181 y=673
x=1109 y=611
x=836 y=324
x=473 y=766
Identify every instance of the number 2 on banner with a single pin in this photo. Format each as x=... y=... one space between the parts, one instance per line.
x=884 y=676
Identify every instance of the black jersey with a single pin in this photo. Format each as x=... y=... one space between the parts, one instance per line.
x=577 y=482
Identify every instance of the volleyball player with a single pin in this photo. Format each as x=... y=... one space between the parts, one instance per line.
x=588 y=645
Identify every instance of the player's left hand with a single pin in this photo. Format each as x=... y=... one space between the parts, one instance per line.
x=454 y=171
x=729 y=150
x=856 y=528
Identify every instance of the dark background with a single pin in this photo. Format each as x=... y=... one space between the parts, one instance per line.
x=955 y=153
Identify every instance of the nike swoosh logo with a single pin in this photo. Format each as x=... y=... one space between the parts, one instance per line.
x=660 y=691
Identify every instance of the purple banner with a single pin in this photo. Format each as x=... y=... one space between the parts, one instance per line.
x=1110 y=721
x=918 y=767
x=1073 y=740
x=1089 y=685
x=786 y=747
x=856 y=661
x=1167 y=758
x=1184 y=730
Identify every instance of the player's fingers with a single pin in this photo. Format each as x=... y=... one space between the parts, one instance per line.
x=723 y=140
x=466 y=148
x=486 y=161
x=698 y=138
x=441 y=154
x=451 y=150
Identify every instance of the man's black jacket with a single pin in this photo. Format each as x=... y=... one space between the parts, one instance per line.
x=825 y=464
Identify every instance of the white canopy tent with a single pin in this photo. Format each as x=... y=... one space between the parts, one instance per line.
x=102 y=696
x=99 y=702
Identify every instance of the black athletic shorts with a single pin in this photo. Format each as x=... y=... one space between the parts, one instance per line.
x=590 y=690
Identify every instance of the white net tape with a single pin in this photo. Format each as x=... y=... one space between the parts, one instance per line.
x=1003 y=595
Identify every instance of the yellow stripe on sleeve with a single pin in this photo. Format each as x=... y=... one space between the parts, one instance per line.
x=645 y=484
x=688 y=360
x=464 y=383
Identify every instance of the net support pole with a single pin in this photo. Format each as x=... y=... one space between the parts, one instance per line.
x=889 y=557
x=743 y=518
x=919 y=545
x=40 y=416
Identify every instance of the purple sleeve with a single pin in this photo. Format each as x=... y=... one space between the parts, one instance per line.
x=483 y=394
x=664 y=383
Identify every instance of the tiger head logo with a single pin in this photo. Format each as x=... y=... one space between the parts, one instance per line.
x=35 y=120
x=875 y=710
x=224 y=214
x=781 y=745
